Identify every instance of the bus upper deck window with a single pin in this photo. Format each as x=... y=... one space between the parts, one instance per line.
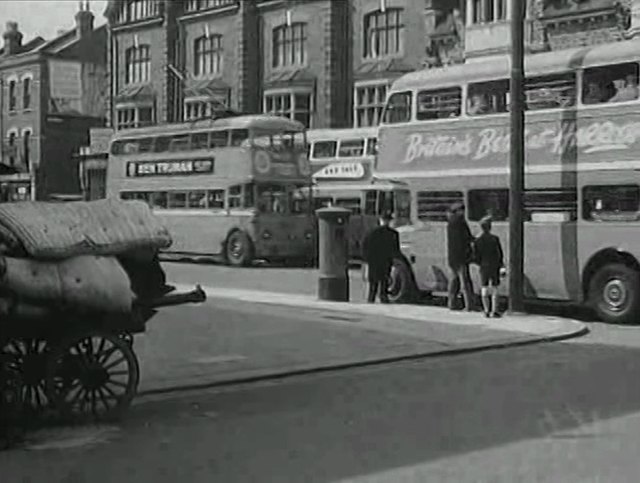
x=200 y=140
x=324 y=149
x=350 y=148
x=488 y=98
x=398 y=108
x=218 y=139
x=238 y=136
x=439 y=104
x=551 y=91
x=162 y=144
x=180 y=142
x=612 y=83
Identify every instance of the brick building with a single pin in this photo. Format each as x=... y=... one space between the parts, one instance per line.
x=327 y=63
x=52 y=92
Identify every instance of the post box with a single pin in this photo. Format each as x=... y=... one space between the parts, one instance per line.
x=333 y=256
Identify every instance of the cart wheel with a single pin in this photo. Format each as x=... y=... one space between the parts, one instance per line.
x=25 y=361
x=95 y=375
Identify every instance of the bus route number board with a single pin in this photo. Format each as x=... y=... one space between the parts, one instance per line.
x=169 y=168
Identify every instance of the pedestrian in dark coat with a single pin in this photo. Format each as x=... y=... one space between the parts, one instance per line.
x=459 y=255
x=488 y=254
x=379 y=248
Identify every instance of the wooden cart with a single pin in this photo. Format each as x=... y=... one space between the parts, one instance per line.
x=75 y=366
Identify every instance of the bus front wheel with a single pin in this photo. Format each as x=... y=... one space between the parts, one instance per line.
x=238 y=249
x=615 y=294
x=401 y=285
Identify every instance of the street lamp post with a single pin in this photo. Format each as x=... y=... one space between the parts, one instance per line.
x=516 y=171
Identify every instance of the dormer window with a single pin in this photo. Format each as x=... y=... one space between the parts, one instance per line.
x=135 y=10
x=487 y=11
x=195 y=5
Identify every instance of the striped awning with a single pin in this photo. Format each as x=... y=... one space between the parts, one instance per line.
x=136 y=93
x=207 y=88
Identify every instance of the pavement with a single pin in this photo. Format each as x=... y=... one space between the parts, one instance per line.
x=243 y=334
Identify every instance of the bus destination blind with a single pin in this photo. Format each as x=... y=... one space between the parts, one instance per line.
x=170 y=168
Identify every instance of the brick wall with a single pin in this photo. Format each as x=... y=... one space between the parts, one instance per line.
x=22 y=119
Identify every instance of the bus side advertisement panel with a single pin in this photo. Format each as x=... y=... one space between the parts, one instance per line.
x=559 y=141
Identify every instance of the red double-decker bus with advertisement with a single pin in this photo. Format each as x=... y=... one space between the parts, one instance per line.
x=233 y=186
x=446 y=133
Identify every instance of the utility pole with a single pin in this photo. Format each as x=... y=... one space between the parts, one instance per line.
x=516 y=171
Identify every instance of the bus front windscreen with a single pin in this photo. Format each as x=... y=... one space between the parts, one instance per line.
x=282 y=199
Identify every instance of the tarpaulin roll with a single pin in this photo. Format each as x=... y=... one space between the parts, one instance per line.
x=85 y=283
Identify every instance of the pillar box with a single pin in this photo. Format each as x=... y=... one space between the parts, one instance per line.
x=333 y=257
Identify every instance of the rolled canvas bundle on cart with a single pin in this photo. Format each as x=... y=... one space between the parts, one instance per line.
x=63 y=230
x=86 y=283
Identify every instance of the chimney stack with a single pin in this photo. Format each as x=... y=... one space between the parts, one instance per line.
x=12 y=39
x=84 y=20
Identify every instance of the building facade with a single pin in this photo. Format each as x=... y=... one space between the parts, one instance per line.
x=326 y=63
x=51 y=93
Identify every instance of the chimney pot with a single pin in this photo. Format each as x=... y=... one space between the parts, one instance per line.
x=12 y=38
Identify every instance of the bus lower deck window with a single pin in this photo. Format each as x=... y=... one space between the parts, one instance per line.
x=197 y=199
x=611 y=203
x=215 y=199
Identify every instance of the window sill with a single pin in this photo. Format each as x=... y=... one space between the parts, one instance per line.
x=156 y=19
x=381 y=58
x=284 y=68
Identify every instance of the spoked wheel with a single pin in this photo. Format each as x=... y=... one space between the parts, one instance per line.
x=25 y=366
x=93 y=376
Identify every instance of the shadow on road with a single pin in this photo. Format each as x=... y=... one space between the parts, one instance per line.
x=364 y=422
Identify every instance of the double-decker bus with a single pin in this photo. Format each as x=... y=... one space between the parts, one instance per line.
x=446 y=132
x=342 y=154
x=367 y=201
x=231 y=186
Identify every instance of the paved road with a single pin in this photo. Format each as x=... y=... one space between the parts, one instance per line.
x=565 y=412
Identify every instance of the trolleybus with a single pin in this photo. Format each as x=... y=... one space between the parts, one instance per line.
x=231 y=186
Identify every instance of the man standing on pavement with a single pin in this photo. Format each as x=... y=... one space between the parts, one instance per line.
x=459 y=254
x=379 y=248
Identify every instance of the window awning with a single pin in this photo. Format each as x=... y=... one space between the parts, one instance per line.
x=6 y=169
x=382 y=68
x=136 y=93
x=291 y=78
x=207 y=88
x=576 y=8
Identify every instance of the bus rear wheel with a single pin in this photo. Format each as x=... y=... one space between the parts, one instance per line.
x=401 y=285
x=238 y=249
x=614 y=293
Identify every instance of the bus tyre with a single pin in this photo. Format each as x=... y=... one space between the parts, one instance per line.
x=401 y=286
x=614 y=293
x=238 y=249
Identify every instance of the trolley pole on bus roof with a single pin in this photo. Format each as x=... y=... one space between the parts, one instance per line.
x=516 y=171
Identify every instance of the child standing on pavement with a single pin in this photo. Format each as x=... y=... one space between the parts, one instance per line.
x=488 y=253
